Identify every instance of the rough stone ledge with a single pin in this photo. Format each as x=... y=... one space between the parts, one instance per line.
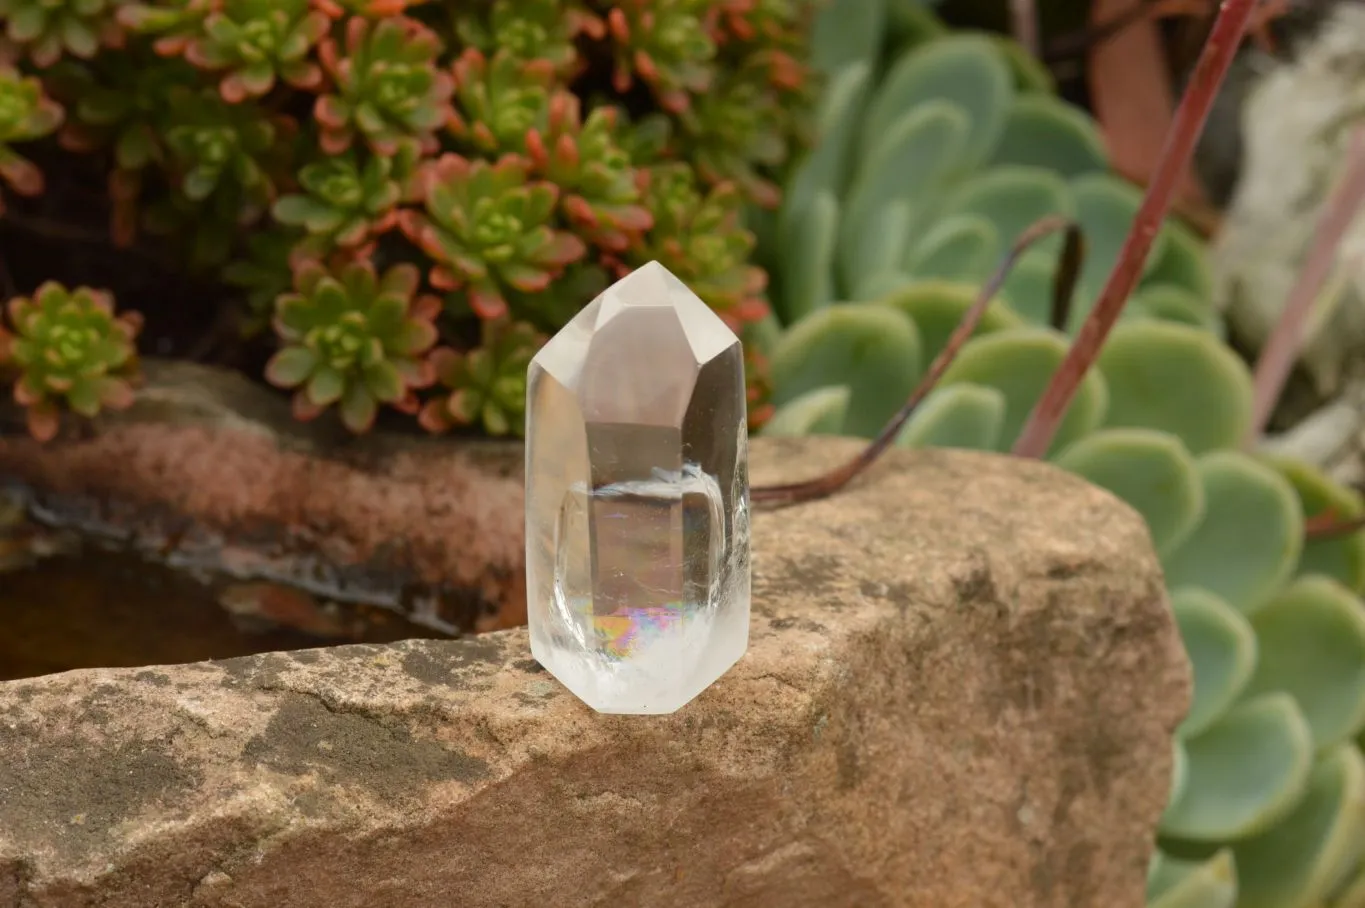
x=209 y=471
x=960 y=693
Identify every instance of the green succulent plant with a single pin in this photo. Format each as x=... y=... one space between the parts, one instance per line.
x=600 y=196
x=242 y=139
x=948 y=158
x=262 y=274
x=47 y=29
x=355 y=339
x=26 y=113
x=489 y=229
x=665 y=44
x=346 y=204
x=529 y=30
x=69 y=348
x=932 y=169
x=121 y=104
x=255 y=42
x=698 y=234
x=172 y=24
x=498 y=99
x=387 y=86
x=369 y=9
x=487 y=384
x=221 y=147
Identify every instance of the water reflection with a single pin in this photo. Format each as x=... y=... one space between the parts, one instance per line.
x=103 y=609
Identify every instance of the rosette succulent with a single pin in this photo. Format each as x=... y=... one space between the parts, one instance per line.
x=527 y=151
x=217 y=145
x=488 y=228
x=26 y=113
x=667 y=44
x=497 y=100
x=46 y=29
x=736 y=131
x=69 y=347
x=172 y=24
x=387 y=86
x=699 y=237
x=354 y=339
x=530 y=30
x=346 y=204
x=370 y=9
x=600 y=194
x=255 y=42
x=487 y=384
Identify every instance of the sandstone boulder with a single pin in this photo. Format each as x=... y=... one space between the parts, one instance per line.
x=960 y=693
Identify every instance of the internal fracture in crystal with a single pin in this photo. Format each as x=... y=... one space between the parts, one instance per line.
x=637 y=498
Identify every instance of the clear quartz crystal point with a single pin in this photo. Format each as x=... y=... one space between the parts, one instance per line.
x=637 y=498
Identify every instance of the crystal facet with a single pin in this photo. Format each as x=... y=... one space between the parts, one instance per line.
x=637 y=498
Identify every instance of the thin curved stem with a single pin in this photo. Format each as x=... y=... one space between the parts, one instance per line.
x=1063 y=286
x=1214 y=60
x=1277 y=356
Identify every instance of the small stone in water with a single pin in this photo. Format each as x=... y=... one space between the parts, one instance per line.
x=637 y=498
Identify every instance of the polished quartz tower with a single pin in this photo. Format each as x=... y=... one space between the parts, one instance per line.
x=637 y=498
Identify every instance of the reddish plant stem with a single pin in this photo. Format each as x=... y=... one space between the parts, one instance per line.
x=1277 y=356
x=1025 y=16
x=1068 y=271
x=1209 y=72
x=1329 y=525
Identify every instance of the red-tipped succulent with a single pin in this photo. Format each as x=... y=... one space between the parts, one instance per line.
x=489 y=227
x=70 y=348
x=387 y=87
x=354 y=339
x=600 y=194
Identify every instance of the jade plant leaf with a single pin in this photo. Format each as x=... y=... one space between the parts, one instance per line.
x=1012 y=197
x=1222 y=649
x=845 y=33
x=871 y=348
x=1352 y=892
x=956 y=248
x=913 y=22
x=936 y=308
x=1246 y=772
x=1304 y=857
x=914 y=154
x=956 y=416
x=825 y=168
x=1019 y=362
x=963 y=69
x=879 y=251
x=1176 y=883
x=818 y=412
x=1341 y=557
x=1183 y=261
x=1174 y=303
x=1243 y=568
x=1029 y=73
x=1042 y=130
x=1312 y=646
x=762 y=335
x=1028 y=288
x=1178 y=379
x=1180 y=771
x=882 y=285
x=808 y=265
x=1106 y=207
x=1151 y=471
